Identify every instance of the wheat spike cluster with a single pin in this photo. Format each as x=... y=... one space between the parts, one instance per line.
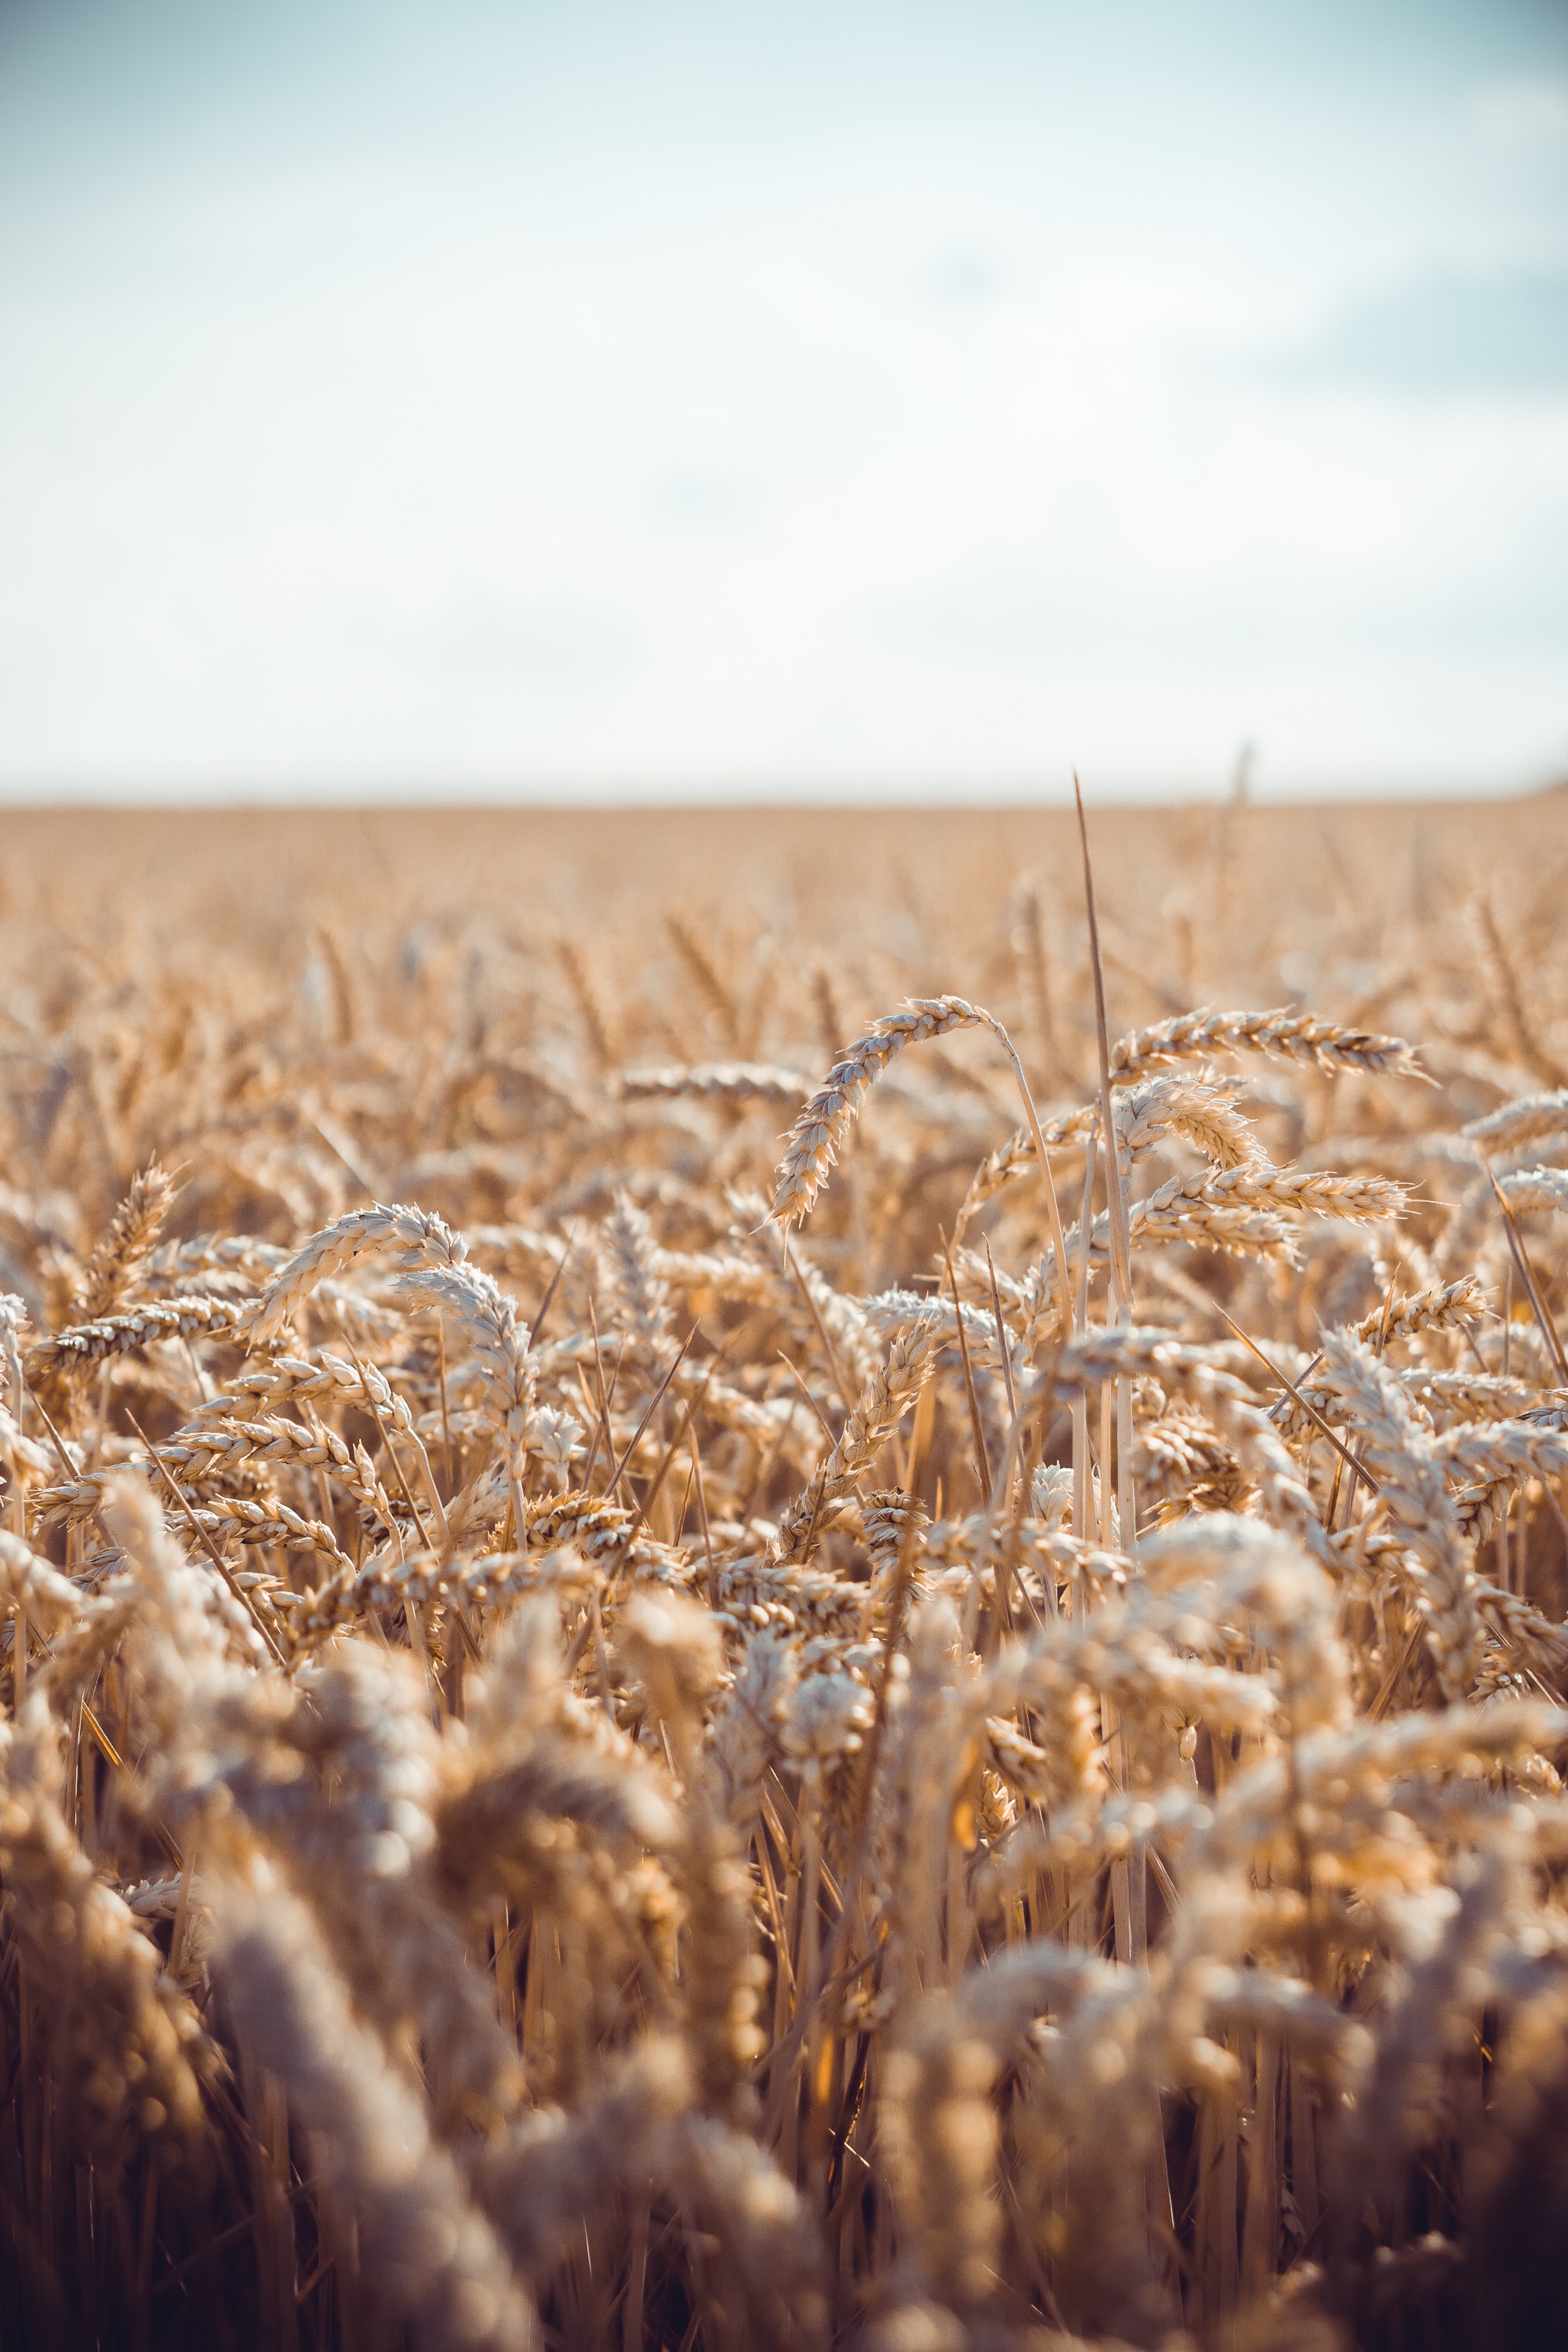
x=653 y=1702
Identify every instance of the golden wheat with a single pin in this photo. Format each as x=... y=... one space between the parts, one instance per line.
x=590 y=1761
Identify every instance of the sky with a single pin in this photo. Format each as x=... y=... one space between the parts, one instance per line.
x=782 y=398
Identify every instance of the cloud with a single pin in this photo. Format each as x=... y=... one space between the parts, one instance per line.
x=964 y=279
x=1444 y=335
x=1531 y=107
x=554 y=642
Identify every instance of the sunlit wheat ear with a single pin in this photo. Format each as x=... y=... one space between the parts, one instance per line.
x=1281 y=1036
x=136 y=1327
x=424 y=1241
x=727 y=1082
x=1519 y=1124
x=631 y=1262
x=1535 y=1188
x=879 y=1408
x=812 y=1143
x=1435 y=1309
x=120 y=1255
x=14 y=1319
x=1190 y=1108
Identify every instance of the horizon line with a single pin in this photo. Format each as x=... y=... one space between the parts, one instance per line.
x=755 y=798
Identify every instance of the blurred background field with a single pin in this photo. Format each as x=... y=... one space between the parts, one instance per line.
x=1210 y=894
x=587 y=943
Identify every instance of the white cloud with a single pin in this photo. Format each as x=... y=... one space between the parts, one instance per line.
x=1532 y=107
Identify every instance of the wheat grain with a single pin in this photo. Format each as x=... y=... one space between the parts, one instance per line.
x=735 y=1082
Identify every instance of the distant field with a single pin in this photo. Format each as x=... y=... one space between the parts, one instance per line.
x=1258 y=873
x=654 y=1698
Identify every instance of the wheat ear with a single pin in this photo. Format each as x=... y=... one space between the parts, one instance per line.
x=812 y=1145
x=1282 y=1036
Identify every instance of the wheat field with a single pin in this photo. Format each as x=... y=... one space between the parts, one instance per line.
x=683 y=1670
